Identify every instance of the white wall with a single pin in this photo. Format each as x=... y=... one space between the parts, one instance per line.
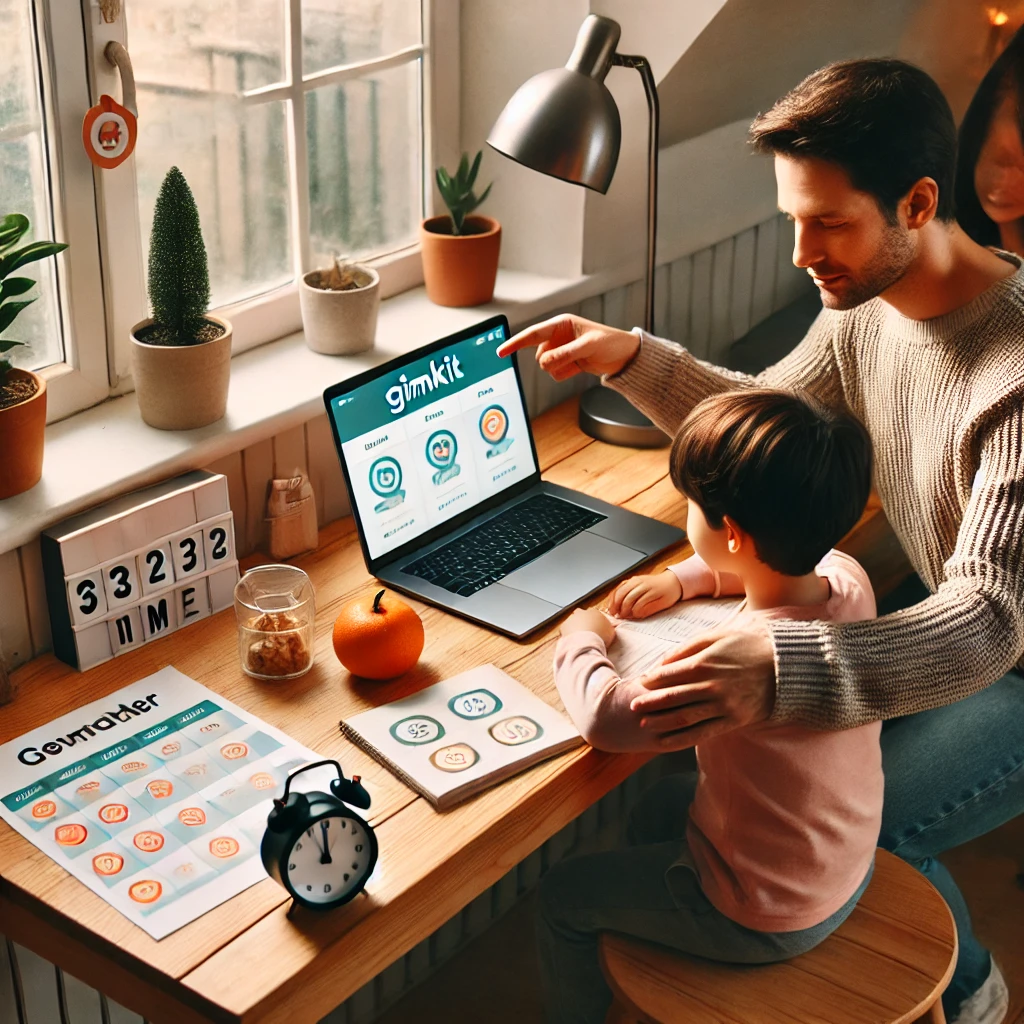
x=502 y=45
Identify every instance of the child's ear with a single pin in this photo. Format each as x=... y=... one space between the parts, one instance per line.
x=735 y=537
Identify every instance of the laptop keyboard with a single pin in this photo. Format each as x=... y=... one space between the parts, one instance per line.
x=510 y=540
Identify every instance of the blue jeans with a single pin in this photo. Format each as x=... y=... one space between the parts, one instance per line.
x=648 y=890
x=952 y=774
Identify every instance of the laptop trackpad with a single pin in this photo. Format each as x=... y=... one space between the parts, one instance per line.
x=573 y=569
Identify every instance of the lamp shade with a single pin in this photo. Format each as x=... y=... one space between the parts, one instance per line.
x=564 y=122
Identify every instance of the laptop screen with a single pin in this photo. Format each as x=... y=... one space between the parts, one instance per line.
x=432 y=437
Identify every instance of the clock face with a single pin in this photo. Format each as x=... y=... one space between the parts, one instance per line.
x=330 y=859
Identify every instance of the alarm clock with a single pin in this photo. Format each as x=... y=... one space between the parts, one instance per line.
x=316 y=846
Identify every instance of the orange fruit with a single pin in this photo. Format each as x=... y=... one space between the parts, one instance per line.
x=378 y=638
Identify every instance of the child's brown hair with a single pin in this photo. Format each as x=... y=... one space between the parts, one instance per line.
x=791 y=473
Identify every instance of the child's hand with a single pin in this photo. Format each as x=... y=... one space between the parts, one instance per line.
x=641 y=596
x=592 y=621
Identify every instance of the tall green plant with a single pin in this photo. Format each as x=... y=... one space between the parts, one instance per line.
x=179 y=280
x=12 y=229
x=457 y=191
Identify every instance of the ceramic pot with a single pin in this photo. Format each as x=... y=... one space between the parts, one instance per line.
x=340 y=323
x=22 y=431
x=459 y=270
x=180 y=387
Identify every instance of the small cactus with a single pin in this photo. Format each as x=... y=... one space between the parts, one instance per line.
x=457 y=191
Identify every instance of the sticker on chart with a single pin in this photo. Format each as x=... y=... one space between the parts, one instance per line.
x=44 y=811
x=116 y=812
x=493 y=429
x=147 y=891
x=148 y=841
x=223 y=847
x=515 y=730
x=197 y=769
x=386 y=483
x=77 y=835
x=442 y=448
x=191 y=818
x=186 y=870
x=88 y=789
x=211 y=728
x=417 y=730
x=132 y=766
x=171 y=746
x=112 y=864
x=474 y=704
x=456 y=758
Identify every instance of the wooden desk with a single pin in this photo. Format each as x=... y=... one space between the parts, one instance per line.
x=246 y=961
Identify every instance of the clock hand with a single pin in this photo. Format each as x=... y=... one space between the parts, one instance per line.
x=325 y=851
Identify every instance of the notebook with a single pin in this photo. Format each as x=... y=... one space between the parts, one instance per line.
x=457 y=737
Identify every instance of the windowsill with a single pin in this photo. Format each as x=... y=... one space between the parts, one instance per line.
x=108 y=450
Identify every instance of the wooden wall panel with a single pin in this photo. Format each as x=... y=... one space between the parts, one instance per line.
x=35 y=596
x=258 y=470
x=742 y=285
x=720 y=333
x=766 y=250
x=700 y=304
x=681 y=288
x=332 y=501
x=15 y=635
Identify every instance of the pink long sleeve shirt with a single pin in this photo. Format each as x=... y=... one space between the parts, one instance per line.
x=785 y=819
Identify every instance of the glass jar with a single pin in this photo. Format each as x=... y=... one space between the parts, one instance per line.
x=275 y=608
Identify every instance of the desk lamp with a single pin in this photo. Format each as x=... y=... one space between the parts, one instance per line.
x=564 y=122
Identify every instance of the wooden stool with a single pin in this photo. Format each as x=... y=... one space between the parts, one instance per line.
x=887 y=963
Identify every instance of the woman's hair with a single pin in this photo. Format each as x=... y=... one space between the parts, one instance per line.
x=883 y=121
x=791 y=473
x=1005 y=75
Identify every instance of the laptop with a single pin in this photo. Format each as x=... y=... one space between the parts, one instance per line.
x=447 y=496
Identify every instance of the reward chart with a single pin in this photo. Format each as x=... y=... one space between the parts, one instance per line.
x=406 y=390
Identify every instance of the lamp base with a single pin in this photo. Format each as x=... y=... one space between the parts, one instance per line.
x=607 y=416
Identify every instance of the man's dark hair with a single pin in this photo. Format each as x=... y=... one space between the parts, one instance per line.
x=791 y=473
x=1005 y=76
x=883 y=121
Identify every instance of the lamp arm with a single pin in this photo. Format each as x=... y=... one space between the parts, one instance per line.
x=642 y=65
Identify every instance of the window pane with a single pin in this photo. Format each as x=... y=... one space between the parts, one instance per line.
x=24 y=185
x=365 y=164
x=336 y=32
x=192 y=63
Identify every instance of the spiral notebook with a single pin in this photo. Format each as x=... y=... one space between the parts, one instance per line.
x=459 y=736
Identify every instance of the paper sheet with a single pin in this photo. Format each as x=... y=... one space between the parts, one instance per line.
x=640 y=643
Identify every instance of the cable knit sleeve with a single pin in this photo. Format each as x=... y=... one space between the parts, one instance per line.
x=596 y=698
x=664 y=381
x=963 y=637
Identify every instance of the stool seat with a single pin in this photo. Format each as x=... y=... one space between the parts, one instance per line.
x=887 y=963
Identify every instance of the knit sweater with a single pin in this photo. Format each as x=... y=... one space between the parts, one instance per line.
x=943 y=401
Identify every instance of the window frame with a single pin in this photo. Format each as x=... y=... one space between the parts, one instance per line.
x=82 y=378
x=273 y=314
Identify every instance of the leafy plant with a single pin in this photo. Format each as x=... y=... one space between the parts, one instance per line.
x=179 y=280
x=457 y=191
x=12 y=229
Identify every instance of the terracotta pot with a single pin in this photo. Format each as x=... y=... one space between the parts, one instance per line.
x=180 y=387
x=340 y=323
x=22 y=431
x=459 y=270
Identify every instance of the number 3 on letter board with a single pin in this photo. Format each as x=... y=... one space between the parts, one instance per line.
x=187 y=550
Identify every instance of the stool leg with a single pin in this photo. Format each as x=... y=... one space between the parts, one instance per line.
x=933 y=1015
x=618 y=1014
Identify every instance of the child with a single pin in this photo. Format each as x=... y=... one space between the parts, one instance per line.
x=765 y=850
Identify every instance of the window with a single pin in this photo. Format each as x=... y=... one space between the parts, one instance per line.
x=302 y=127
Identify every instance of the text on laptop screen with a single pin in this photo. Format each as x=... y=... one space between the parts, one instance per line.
x=433 y=439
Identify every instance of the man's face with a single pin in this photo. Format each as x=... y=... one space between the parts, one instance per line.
x=842 y=238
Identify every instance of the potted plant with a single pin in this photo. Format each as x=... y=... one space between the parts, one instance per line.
x=181 y=356
x=22 y=393
x=460 y=249
x=339 y=308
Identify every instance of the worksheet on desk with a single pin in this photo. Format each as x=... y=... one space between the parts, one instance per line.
x=640 y=644
x=155 y=797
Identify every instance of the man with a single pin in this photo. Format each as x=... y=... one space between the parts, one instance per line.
x=922 y=338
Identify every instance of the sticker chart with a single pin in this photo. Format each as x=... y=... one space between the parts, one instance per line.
x=155 y=797
x=460 y=736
